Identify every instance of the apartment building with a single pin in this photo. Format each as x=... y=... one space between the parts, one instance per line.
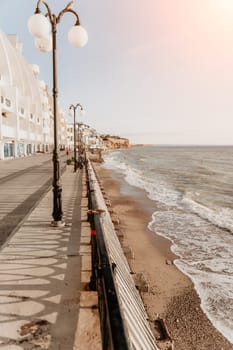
x=26 y=115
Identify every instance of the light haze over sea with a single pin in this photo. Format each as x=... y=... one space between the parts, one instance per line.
x=192 y=188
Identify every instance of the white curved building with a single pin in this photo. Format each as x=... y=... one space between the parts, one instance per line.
x=26 y=119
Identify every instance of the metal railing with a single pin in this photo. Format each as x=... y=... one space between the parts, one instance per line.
x=112 y=324
x=124 y=322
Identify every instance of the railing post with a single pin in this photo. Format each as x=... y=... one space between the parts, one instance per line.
x=94 y=256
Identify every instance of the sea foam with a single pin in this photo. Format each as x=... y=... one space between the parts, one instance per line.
x=200 y=233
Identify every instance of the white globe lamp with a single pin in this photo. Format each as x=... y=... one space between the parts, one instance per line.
x=39 y=26
x=77 y=36
x=44 y=44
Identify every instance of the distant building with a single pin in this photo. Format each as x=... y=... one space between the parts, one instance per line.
x=26 y=113
x=70 y=136
x=86 y=137
x=62 y=130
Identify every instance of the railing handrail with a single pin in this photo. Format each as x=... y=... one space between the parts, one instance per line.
x=112 y=267
x=112 y=324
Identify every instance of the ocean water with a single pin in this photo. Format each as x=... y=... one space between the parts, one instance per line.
x=193 y=191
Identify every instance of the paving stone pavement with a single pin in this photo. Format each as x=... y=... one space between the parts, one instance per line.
x=44 y=273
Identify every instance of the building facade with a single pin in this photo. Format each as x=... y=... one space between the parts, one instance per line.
x=86 y=137
x=26 y=115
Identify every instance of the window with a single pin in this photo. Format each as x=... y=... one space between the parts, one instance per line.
x=8 y=102
x=8 y=150
x=29 y=149
x=20 y=149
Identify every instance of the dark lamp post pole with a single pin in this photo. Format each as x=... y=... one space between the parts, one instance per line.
x=44 y=30
x=57 y=189
x=75 y=152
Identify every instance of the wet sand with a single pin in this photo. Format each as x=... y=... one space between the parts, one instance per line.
x=171 y=294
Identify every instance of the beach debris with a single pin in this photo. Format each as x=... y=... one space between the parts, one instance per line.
x=141 y=283
x=120 y=233
x=115 y=220
x=169 y=262
x=108 y=203
x=127 y=250
x=162 y=335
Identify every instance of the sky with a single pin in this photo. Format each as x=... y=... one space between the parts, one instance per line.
x=154 y=71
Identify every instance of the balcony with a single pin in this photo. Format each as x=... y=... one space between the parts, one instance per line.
x=39 y=137
x=46 y=130
x=45 y=100
x=8 y=131
x=22 y=112
x=2 y=79
x=32 y=136
x=6 y=104
x=32 y=118
x=23 y=134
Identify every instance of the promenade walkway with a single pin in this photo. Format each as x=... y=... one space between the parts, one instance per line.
x=44 y=273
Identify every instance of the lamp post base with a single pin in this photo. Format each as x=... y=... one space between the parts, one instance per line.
x=75 y=166
x=58 y=223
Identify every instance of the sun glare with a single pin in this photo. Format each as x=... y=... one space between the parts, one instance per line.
x=222 y=9
x=225 y=4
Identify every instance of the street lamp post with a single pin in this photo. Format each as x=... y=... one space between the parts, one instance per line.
x=74 y=110
x=80 y=144
x=80 y=136
x=44 y=30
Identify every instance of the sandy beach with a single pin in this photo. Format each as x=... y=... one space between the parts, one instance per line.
x=171 y=294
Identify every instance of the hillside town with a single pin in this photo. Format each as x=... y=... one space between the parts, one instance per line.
x=26 y=111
